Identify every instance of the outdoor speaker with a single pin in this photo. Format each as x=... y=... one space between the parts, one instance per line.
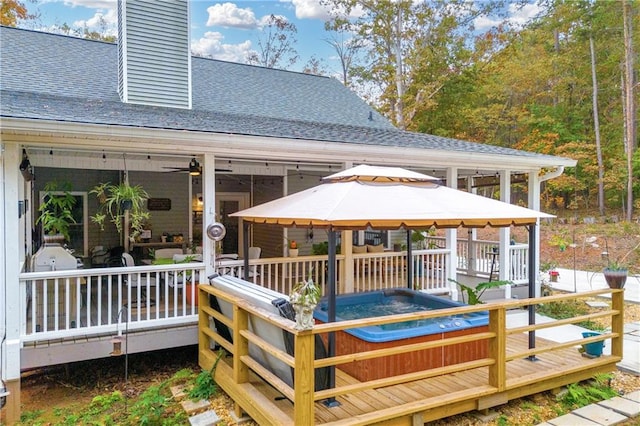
x=216 y=231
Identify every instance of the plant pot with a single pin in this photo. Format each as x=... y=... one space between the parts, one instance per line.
x=293 y=252
x=53 y=239
x=188 y=288
x=553 y=276
x=615 y=278
x=593 y=349
x=127 y=205
x=304 y=316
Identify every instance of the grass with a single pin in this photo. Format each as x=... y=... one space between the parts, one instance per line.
x=154 y=406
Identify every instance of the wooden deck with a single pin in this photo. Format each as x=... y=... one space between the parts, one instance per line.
x=508 y=372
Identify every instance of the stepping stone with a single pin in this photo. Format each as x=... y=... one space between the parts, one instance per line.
x=208 y=418
x=194 y=407
x=623 y=406
x=178 y=393
x=596 y=304
x=632 y=396
x=571 y=420
x=599 y=414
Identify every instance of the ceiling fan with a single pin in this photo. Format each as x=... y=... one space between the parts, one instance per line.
x=194 y=168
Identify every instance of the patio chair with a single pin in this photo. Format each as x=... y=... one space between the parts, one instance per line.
x=127 y=260
x=254 y=253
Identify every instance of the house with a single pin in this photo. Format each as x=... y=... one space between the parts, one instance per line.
x=88 y=112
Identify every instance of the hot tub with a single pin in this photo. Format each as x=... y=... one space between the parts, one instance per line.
x=388 y=302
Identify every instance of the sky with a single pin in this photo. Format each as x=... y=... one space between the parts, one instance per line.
x=222 y=30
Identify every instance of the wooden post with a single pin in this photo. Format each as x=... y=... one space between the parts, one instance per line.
x=304 y=379
x=498 y=348
x=241 y=348
x=617 y=322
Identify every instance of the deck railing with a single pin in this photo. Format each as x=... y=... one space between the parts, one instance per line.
x=303 y=395
x=67 y=303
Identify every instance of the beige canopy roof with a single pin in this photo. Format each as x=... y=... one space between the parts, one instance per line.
x=386 y=198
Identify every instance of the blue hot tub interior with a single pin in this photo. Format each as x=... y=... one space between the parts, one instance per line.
x=398 y=301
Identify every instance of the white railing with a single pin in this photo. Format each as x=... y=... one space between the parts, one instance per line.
x=371 y=271
x=89 y=302
x=483 y=258
x=62 y=304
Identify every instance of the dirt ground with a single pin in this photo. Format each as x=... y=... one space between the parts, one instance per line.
x=74 y=385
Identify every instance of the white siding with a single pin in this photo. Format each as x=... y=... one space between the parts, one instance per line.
x=153 y=58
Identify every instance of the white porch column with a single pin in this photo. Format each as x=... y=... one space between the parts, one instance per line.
x=472 y=235
x=209 y=211
x=534 y=204
x=452 y=239
x=505 y=233
x=11 y=307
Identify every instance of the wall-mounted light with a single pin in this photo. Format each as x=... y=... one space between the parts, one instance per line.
x=194 y=167
x=25 y=167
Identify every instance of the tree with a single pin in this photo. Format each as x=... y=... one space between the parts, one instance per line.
x=276 y=44
x=13 y=10
x=630 y=110
x=412 y=47
x=346 y=51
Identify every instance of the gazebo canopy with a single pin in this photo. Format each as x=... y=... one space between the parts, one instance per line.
x=387 y=198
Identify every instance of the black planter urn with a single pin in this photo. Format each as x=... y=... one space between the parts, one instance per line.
x=615 y=278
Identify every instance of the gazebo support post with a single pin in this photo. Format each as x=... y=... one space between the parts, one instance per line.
x=245 y=249
x=409 y=261
x=331 y=313
x=532 y=287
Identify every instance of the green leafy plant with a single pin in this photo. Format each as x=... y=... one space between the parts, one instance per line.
x=115 y=201
x=205 y=386
x=581 y=394
x=305 y=293
x=474 y=294
x=56 y=209
x=568 y=309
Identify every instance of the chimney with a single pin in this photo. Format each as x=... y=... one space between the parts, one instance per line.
x=154 y=60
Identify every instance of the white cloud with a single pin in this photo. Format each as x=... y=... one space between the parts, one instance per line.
x=520 y=16
x=92 y=4
x=517 y=17
x=104 y=23
x=211 y=45
x=311 y=9
x=229 y=15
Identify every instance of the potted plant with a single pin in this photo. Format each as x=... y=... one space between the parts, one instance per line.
x=293 y=248
x=56 y=212
x=304 y=297
x=118 y=200
x=616 y=271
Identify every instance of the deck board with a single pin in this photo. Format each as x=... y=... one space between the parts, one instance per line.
x=361 y=405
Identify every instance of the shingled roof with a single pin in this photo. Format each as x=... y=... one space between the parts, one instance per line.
x=54 y=77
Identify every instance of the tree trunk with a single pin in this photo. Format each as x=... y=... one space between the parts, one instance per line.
x=630 y=107
x=596 y=128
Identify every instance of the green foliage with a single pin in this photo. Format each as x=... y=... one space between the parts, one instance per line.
x=305 y=293
x=29 y=417
x=320 y=248
x=474 y=294
x=114 y=200
x=581 y=394
x=205 y=386
x=56 y=209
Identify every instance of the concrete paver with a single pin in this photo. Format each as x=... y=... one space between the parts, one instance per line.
x=621 y=405
x=600 y=415
x=571 y=420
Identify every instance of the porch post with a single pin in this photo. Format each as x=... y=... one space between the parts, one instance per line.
x=505 y=233
x=347 y=267
x=534 y=204
x=208 y=211
x=452 y=240
x=472 y=234
x=11 y=305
